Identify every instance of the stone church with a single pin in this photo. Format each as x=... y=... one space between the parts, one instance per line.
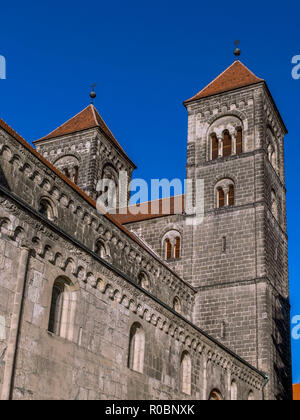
x=147 y=306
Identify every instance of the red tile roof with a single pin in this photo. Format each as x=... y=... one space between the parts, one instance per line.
x=235 y=76
x=296 y=392
x=84 y=120
x=152 y=210
x=88 y=199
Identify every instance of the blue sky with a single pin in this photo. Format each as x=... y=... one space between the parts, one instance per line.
x=147 y=58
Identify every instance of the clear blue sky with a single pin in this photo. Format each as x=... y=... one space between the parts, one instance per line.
x=147 y=57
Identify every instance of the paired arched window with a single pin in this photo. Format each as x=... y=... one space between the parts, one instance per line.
x=186 y=373
x=177 y=305
x=136 y=348
x=62 y=309
x=69 y=166
x=233 y=391
x=227 y=142
x=143 y=281
x=172 y=245
x=225 y=193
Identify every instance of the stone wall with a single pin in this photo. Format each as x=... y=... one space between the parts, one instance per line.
x=237 y=258
x=92 y=362
x=31 y=180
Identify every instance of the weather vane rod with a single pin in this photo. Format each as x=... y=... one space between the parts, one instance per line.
x=93 y=93
x=237 y=51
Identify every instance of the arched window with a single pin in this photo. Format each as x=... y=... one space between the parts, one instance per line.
x=214 y=146
x=109 y=172
x=272 y=149
x=45 y=208
x=225 y=193
x=177 y=305
x=136 y=348
x=143 y=280
x=69 y=166
x=62 y=309
x=168 y=249
x=215 y=395
x=186 y=373
x=177 y=248
x=231 y=195
x=274 y=205
x=56 y=308
x=226 y=132
x=221 y=198
x=171 y=245
x=239 y=141
x=227 y=147
x=234 y=390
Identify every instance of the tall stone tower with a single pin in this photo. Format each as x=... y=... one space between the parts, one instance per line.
x=239 y=253
x=85 y=150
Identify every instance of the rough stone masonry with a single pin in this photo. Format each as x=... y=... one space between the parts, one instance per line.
x=119 y=307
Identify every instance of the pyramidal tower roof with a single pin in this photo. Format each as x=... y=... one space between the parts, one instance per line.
x=88 y=118
x=235 y=76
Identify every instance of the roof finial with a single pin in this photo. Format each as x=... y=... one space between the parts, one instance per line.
x=237 y=51
x=93 y=93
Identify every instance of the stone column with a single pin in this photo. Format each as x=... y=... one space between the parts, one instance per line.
x=220 y=141
x=226 y=194
x=233 y=143
x=15 y=325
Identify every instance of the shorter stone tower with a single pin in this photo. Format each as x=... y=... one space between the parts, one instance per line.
x=85 y=150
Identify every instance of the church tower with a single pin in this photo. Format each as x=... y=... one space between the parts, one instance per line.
x=239 y=252
x=85 y=150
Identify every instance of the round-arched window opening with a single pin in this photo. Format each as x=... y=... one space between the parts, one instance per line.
x=172 y=245
x=215 y=395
